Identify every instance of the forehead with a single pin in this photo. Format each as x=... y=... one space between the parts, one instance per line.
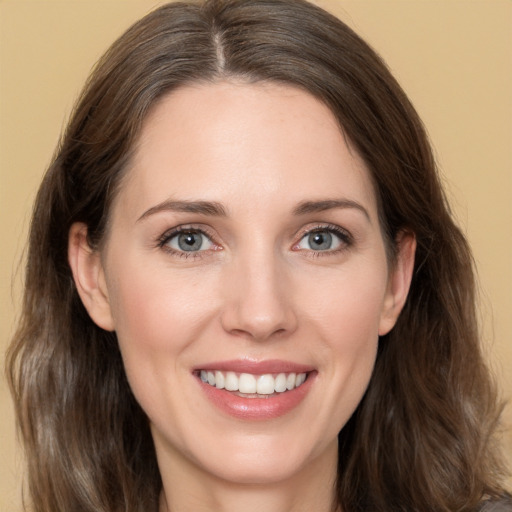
x=250 y=143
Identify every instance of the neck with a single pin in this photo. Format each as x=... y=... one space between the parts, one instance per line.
x=188 y=487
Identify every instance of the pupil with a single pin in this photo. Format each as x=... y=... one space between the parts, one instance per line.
x=189 y=242
x=320 y=241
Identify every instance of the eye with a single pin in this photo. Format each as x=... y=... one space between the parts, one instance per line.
x=324 y=239
x=188 y=240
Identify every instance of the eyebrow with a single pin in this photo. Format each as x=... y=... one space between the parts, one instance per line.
x=306 y=207
x=209 y=208
x=214 y=209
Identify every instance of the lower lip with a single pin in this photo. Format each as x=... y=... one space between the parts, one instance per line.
x=255 y=409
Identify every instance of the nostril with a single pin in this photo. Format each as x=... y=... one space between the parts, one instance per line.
x=259 y=313
x=258 y=335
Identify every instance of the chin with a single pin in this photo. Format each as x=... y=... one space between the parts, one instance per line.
x=264 y=459
x=257 y=469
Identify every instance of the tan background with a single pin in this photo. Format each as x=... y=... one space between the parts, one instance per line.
x=454 y=59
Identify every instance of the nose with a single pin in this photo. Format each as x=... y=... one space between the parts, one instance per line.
x=258 y=299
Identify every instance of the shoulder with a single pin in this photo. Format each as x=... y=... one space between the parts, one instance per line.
x=503 y=505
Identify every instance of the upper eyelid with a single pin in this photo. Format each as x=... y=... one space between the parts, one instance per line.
x=324 y=227
x=184 y=228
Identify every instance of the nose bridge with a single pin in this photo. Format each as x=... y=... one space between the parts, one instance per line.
x=259 y=302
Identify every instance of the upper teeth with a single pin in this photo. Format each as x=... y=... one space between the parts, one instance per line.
x=247 y=383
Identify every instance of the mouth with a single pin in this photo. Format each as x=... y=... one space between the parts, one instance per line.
x=252 y=391
x=248 y=385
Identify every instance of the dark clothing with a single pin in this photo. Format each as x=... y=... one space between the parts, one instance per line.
x=504 y=505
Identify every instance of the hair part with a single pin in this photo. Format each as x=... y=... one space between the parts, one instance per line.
x=421 y=439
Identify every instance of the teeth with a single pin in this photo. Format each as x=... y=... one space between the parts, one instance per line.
x=219 y=380
x=301 y=377
x=290 y=381
x=280 y=383
x=231 y=382
x=265 y=385
x=247 y=383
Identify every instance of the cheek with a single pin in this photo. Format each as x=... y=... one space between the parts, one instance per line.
x=347 y=305
x=157 y=317
x=155 y=309
x=344 y=321
x=349 y=328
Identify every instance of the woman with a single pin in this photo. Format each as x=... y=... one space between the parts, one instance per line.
x=244 y=289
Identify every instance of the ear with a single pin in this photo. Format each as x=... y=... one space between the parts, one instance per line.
x=399 y=281
x=89 y=277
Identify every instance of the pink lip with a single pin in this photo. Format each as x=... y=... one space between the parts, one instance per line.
x=256 y=367
x=255 y=409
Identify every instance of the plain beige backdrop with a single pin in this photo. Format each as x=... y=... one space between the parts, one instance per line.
x=453 y=57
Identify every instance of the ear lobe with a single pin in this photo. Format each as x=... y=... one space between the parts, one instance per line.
x=89 y=277
x=399 y=281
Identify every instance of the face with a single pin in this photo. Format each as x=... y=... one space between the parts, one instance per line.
x=245 y=275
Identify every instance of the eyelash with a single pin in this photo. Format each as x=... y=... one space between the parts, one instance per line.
x=346 y=240
x=163 y=241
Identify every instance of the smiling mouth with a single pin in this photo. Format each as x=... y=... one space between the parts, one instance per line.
x=249 y=385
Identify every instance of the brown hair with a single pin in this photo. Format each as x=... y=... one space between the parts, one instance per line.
x=420 y=440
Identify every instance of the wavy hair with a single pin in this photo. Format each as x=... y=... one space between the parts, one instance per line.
x=422 y=437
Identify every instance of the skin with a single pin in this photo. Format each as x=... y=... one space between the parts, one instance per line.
x=256 y=291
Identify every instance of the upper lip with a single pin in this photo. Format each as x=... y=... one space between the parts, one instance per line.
x=256 y=367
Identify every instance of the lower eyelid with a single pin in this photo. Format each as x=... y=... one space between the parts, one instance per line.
x=183 y=254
